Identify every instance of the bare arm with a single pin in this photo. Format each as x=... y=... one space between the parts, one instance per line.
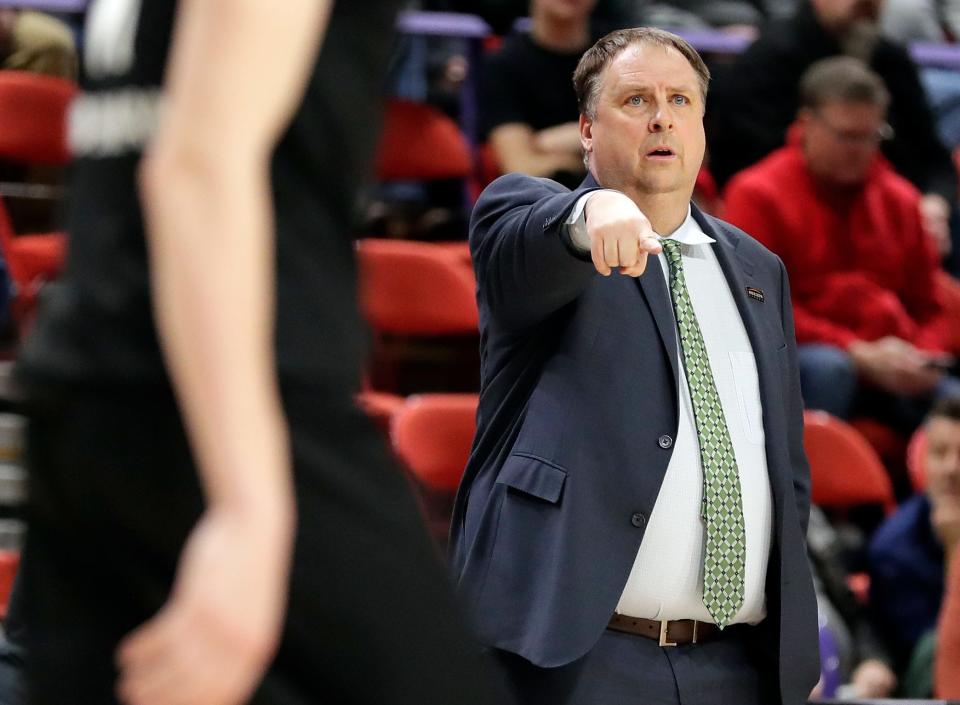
x=563 y=139
x=517 y=149
x=235 y=76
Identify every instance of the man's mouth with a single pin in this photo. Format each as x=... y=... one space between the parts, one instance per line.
x=661 y=153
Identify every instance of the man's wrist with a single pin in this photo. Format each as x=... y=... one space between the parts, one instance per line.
x=576 y=223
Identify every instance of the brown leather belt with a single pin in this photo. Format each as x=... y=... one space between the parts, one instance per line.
x=665 y=632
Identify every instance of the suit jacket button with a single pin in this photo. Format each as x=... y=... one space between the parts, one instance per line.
x=665 y=441
x=638 y=520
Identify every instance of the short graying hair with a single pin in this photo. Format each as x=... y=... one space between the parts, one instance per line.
x=842 y=79
x=586 y=79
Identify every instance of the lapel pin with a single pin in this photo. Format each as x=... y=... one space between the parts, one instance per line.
x=755 y=294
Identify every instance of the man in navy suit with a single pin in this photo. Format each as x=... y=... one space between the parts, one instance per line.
x=630 y=527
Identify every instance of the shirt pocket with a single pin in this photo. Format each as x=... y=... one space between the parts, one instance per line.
x=747 y=384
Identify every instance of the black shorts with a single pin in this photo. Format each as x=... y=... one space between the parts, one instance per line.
x=114 y=495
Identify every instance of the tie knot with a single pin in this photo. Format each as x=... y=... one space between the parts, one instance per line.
x=671 y=248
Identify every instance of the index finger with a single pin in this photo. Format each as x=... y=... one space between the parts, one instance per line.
x=650 y=244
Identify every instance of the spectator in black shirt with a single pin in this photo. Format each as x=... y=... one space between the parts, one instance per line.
x=528 y=109
x=755 y=99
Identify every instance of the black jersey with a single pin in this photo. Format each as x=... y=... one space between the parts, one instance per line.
x=95 y=324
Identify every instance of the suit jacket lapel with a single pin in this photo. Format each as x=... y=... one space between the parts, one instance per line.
x=655 y=292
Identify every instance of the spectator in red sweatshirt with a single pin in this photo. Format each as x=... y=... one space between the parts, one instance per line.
x=849 y=230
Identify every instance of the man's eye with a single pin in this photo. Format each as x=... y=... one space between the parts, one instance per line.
x=636 y=100
x=680 y=100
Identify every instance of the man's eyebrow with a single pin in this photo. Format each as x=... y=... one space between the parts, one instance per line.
x=635 y=86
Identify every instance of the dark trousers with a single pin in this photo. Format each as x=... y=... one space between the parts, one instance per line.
x=114 y=496
x=625 y=669
x=829 y=382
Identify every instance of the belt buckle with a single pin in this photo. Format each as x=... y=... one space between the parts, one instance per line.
x=664 y=624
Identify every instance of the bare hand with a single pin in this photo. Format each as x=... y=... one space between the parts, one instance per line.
x=895 y=366
x=935 y=213
x=873 y=679
x=563 y=138
x=213 y=640
x=620 y=234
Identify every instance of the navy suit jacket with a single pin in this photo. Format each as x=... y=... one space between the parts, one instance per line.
x=579 y=388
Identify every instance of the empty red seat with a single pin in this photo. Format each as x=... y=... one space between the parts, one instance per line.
x=415 y=288
x=33 y=111
x=845 y=471
x=432 y=434
x=420 y=143
x=9 y=564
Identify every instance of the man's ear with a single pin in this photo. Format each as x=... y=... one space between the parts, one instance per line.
x=586 y=133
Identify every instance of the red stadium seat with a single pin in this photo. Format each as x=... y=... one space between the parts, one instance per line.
x=460 y=251
x=845 y=471
x=419 y=298
x=9 y=564
x=415 y=288
x=419 y=143
x=432 y=434
x=33 y=112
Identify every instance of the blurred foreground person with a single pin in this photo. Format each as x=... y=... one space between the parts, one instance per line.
x=193 y=443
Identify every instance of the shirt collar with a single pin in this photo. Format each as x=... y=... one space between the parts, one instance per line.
x=690 y=232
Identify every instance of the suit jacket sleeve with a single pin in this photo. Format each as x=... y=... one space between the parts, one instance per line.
x=526 y=266
x=800 y=469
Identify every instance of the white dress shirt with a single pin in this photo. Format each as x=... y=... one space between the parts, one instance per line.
x=666 y=581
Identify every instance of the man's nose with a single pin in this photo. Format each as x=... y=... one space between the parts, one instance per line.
x=662 y=120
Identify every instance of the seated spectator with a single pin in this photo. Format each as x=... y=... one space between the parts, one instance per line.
x=528 y=109
x=33 y=41
x=865 y=665
x=947 y=675
x=754 y=100
x=870 y=328
x=935 y=21
x=906 y=555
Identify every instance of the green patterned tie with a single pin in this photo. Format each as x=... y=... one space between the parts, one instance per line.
x=722 y=510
